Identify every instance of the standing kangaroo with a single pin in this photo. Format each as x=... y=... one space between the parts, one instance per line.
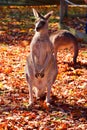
x=41 y=67
x=64 y=39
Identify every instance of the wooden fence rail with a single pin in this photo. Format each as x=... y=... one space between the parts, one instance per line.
x=37 y=2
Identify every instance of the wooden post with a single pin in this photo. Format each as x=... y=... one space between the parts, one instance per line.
x=63 y=9
x=66 y=9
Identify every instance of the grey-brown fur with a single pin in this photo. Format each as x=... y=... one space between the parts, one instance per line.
x=64 y=39
x=41 y=67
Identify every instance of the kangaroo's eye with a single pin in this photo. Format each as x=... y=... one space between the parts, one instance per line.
x=42 y=23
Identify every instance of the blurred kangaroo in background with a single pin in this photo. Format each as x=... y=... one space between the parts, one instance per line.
x=41 y=67
x=64 y=39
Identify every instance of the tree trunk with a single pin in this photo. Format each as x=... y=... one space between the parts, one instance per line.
x=63 y=10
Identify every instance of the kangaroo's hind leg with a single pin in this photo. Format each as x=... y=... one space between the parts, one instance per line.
x=51 y=79
x=30 y=90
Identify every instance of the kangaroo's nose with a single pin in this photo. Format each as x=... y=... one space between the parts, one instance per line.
x=37 y=29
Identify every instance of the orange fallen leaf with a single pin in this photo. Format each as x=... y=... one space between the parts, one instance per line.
x=8 y=70
x=24 y=43
x=63 y=126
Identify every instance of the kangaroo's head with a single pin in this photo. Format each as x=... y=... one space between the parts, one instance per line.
x=41 y=24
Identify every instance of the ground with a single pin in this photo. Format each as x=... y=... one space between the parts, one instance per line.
x=68 y=109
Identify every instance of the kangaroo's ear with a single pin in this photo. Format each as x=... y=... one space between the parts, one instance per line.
x=48 y=15
x=36 y=14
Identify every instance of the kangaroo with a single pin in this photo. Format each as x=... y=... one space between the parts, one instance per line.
x=64 y=39
x=41 y=66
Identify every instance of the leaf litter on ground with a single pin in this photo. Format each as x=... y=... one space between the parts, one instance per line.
x=68 y=109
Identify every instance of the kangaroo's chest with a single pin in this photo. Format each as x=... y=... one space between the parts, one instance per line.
x=40 y=48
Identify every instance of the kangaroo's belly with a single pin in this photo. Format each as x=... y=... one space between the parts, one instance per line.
x=40 y=82
x=63 y=45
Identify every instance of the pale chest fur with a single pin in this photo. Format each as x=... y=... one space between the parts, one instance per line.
x=39 y=48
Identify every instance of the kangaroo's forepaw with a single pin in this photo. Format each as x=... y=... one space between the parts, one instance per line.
x=37 y=75
x=42 y=75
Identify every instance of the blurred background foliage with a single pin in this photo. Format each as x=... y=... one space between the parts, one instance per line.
x=17 y=22
x=24 y=13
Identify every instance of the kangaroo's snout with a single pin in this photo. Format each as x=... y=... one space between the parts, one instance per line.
x=37 y=29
